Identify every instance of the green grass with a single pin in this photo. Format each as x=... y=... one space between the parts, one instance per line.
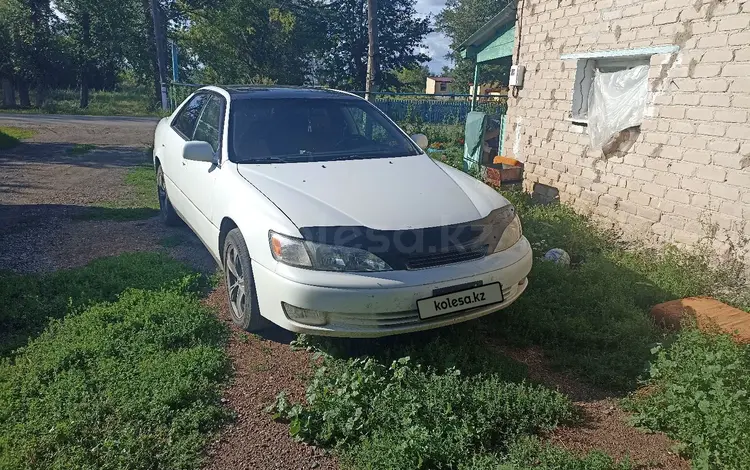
x=80 y=149
x=29 y=301
x=529 y=453
x=140 y=202
x=128 y=376
x=403 y=415
x=593 y=316
x=700 y=395
x=130 y=101
x=445 y=402
x=172 y=241
x=12 y=136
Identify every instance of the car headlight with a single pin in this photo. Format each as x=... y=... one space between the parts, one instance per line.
x=511 y=235
x=306 y=254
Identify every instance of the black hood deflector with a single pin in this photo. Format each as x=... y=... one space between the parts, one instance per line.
x=399 y=248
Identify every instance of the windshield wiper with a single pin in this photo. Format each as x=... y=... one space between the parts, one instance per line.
x=302 y=156
x=365 y=155
x=269 y=159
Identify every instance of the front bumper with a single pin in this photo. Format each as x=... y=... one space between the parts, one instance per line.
x=381 y=304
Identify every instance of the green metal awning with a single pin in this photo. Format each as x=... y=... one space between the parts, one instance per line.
x=491 y=44
x=494 y=40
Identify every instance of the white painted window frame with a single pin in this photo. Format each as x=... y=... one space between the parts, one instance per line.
x=610 y=61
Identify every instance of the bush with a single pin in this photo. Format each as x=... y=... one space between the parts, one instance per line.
x=130 y=384
x=408 y=416
x=700 y=395
x=29 y=300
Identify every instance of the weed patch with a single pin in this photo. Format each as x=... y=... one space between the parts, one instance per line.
x=12 y=136
x=80 y=149
x=700 y=395
x=140 y=202
x=403 y=415
x=129 y=384
x=30 y=301
x=529 y=453
x=462 y=347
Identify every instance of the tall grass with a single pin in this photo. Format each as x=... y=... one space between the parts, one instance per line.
x=128 y=101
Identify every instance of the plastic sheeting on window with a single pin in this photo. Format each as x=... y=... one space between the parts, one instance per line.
x=617 y=101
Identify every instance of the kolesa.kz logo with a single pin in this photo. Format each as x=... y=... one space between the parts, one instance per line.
x=465 y=300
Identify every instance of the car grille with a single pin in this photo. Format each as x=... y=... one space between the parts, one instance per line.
x=450 y=257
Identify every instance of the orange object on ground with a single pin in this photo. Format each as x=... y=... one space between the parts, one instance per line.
x=506 y=161
x=709 y=314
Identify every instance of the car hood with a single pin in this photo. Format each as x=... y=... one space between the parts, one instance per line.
x=379 y=193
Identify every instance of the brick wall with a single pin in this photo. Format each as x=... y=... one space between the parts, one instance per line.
x=688 y=167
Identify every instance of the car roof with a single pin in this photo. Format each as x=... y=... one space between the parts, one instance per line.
x=285 y=92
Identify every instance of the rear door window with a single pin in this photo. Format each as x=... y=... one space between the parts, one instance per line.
x=186 y=121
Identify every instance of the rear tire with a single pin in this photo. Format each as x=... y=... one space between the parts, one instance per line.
x=166 y=210
x=243 y=301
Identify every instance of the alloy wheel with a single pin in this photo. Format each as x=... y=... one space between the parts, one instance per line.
x=162 y=190
x=236 y=282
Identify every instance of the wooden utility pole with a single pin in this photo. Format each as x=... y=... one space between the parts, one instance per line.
x=85 y=60
x=372 y=52
x=161 y=51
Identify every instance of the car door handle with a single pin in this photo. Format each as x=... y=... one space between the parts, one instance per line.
x=183 y=163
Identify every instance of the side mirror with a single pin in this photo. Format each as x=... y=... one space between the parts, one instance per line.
x=421 y=140
x=198 y=151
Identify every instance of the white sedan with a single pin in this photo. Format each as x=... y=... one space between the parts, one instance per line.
x=329 y=220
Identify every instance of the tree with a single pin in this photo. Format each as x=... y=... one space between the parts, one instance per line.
x=246 y=41
x=160 y=44
x=459 y=20
x=99 y=31
x=29 y=46
x=343 y=62
x=411 y=79
x=7 y=55
x=372 y=48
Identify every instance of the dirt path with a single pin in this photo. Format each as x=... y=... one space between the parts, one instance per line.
x=43 y=186
x=604 y=424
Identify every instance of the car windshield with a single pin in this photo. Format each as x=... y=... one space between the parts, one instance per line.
x=299 y=130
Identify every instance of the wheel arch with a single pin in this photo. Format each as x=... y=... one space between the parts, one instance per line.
x=226 y=226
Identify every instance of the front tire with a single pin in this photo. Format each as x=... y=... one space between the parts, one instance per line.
x=243 y=302
x=166 y=210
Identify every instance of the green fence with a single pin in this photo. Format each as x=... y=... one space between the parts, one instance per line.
x=415 y=107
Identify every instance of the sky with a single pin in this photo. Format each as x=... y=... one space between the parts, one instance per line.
x=437 y=44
